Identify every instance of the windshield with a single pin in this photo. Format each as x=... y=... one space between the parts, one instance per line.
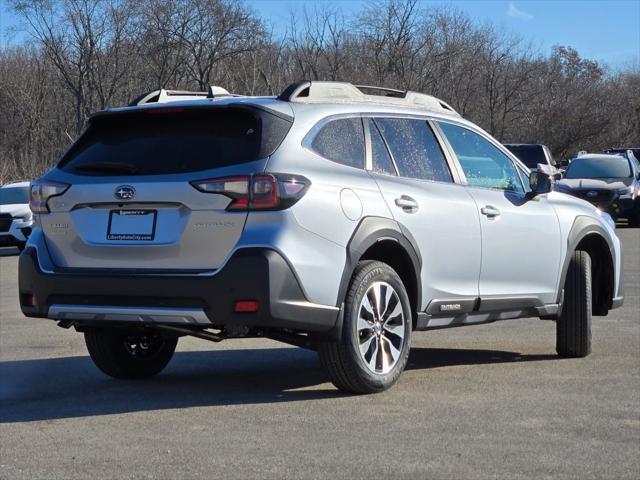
x=598 y=168
x=13 y=195
x=530 y=155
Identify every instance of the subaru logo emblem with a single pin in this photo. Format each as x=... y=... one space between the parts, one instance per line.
x=592 y=193
x=124 y=192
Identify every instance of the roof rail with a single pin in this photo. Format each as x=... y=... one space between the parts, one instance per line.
x=165 y=96
x=332 y=92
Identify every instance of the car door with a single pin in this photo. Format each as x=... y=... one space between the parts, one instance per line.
x=416 y=182
x=521 y=241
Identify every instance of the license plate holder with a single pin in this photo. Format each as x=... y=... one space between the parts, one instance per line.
x=132 y=225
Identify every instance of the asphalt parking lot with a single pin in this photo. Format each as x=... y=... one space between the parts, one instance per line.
x=490 y=401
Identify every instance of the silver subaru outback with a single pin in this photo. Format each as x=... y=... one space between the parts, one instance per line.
x=333 y=217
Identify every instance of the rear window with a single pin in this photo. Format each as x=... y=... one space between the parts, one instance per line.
x=11 y=195
x=160 y=142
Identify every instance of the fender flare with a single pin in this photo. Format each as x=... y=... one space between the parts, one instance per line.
x=581 y=228
x=370 y=231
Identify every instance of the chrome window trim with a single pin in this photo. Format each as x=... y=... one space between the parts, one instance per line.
x=369 y=151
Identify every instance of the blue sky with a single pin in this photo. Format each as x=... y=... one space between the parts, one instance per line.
x=607 y=31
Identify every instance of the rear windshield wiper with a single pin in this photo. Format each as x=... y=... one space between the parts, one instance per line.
x=107 y=167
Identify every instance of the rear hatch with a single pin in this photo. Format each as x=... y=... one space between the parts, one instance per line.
x=130 y=203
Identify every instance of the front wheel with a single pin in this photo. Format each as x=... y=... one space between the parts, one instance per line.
x=127 y=355
x=376 y=335
x=573 y=328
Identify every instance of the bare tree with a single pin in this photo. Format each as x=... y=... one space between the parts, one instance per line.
x=86 y=55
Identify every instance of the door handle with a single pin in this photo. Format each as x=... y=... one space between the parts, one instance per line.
x=407 y=204
x=490 y=211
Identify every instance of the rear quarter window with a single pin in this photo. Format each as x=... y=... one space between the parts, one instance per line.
x=342 y=141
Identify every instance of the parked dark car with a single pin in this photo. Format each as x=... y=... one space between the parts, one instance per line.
x=532 y=154
x=624 y=151
x=610 y=182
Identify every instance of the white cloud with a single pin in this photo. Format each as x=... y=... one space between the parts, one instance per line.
x=513 y=11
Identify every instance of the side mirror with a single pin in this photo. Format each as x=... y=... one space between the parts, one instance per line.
x=557 y=176
x=539 y=183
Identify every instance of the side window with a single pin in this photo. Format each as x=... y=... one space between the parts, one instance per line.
x=381 y=160
x=483 y=164
x=415 y=149
x=341 y=140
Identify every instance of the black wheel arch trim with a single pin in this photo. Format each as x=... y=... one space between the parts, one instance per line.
x=582 y=227
x=370 y=231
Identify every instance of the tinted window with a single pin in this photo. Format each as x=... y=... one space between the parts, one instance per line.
x=483 y=164
x=381 y=160
x=530 y=155
x=342 y=141
x=9 y=195
x=614 y=167
x=415 y=149
x=157 y=142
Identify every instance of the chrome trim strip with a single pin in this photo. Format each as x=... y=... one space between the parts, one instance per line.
x=304 y=304
x=128 y=314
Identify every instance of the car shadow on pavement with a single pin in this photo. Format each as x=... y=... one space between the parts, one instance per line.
x=46 y=389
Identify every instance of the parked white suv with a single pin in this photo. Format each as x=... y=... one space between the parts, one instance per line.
x=16 y=219
x=329 y=217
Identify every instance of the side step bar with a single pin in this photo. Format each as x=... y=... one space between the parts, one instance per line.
x=192 y=316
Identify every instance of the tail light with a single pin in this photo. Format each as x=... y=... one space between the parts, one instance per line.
x=257 y=192
x=40 y=193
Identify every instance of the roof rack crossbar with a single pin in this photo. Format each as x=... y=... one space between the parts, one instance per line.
x=399 y=93
x=343 y=92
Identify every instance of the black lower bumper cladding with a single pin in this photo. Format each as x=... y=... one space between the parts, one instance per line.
x=250 y=274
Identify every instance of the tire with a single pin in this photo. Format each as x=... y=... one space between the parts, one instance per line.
x=383 y=331
x=126 y=355
x=634 y=218
x=573 y=328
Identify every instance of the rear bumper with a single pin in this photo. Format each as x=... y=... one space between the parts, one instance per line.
x=207 y=300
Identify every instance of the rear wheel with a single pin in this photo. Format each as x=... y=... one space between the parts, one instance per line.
x=376 y=335
x=124 y=354
x=573 y=328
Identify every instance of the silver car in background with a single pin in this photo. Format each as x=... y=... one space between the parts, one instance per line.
x=333 y=217
x=16 y=219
